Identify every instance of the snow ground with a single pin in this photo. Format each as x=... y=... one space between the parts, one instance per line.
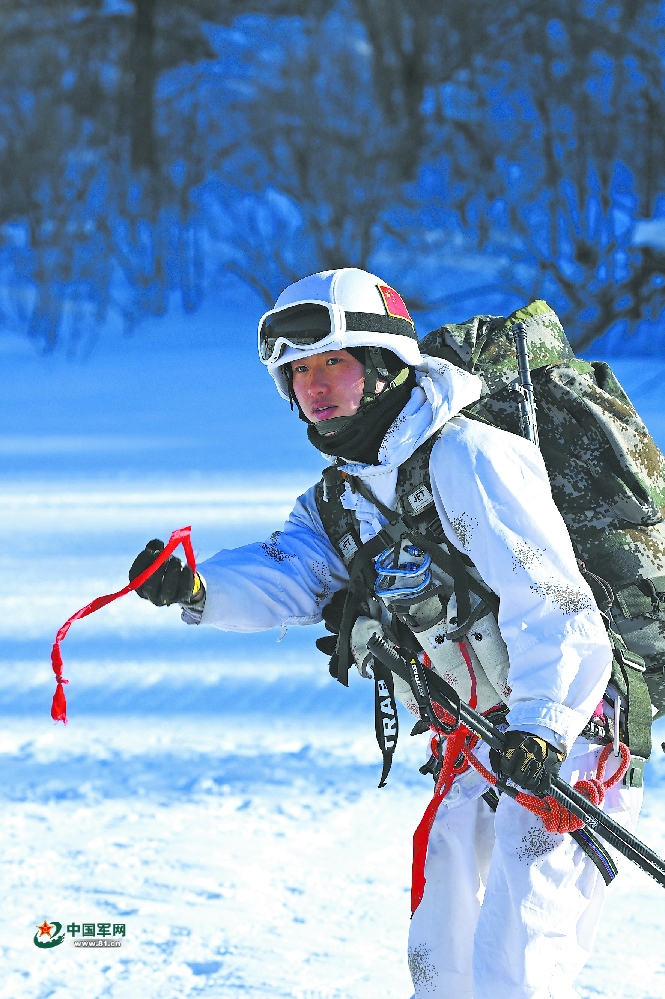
x=216 y=793
x=245 y=859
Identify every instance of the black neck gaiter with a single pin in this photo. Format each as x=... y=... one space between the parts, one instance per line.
x=361 y=437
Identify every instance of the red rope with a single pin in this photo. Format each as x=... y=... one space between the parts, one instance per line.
x=462 y=742
x=556 y=818
x=181 y=536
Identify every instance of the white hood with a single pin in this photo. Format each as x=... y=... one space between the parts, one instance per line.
x=441 y=391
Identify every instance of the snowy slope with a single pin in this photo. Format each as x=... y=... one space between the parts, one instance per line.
x=215 y=793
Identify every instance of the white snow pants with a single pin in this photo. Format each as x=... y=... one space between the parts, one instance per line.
x=532 y=933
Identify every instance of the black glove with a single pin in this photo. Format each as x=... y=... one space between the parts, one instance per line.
x=172 y=583
x=530 y=762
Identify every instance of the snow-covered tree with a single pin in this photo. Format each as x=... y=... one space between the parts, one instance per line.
x=146 y=146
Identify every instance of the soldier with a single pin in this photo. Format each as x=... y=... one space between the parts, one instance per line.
x=341 y=346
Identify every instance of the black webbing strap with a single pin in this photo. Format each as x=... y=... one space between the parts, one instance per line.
x=358 y=486
x=361 y=582
x=386 y=723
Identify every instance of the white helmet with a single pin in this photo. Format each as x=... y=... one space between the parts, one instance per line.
x=335 y=310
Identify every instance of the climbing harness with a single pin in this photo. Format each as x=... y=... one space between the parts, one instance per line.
x=575 y=810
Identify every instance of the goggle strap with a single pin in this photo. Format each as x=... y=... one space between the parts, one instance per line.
x=372 y=323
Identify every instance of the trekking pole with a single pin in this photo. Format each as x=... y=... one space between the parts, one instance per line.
x=618 y=837
x=595 y=818
x=524 y=387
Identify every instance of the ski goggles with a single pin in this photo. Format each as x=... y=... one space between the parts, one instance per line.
x=299 y=326
x=320 y=323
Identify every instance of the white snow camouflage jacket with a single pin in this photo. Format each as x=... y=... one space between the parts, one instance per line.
x=493 y=497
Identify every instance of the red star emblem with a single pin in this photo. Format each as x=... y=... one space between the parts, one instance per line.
x=45 y=929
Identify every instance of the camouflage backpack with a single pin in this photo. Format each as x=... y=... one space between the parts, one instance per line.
x=606 y=473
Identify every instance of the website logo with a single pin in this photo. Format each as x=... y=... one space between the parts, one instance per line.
x=81 y=934
x=49 y=935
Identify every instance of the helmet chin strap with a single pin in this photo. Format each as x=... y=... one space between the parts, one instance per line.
x=375 y=372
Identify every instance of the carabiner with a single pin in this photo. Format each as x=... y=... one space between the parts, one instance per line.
x=410 y=570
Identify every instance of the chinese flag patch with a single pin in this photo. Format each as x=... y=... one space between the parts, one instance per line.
x=394 y=303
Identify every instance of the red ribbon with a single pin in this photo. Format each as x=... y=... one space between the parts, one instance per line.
x=454 y=746
x=181 y=536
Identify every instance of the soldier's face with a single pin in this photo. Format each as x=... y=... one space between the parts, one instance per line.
x=328 y=385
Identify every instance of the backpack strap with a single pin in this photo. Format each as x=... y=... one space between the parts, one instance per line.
x=635 y=724
x=341 y=526
x=414 y=497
